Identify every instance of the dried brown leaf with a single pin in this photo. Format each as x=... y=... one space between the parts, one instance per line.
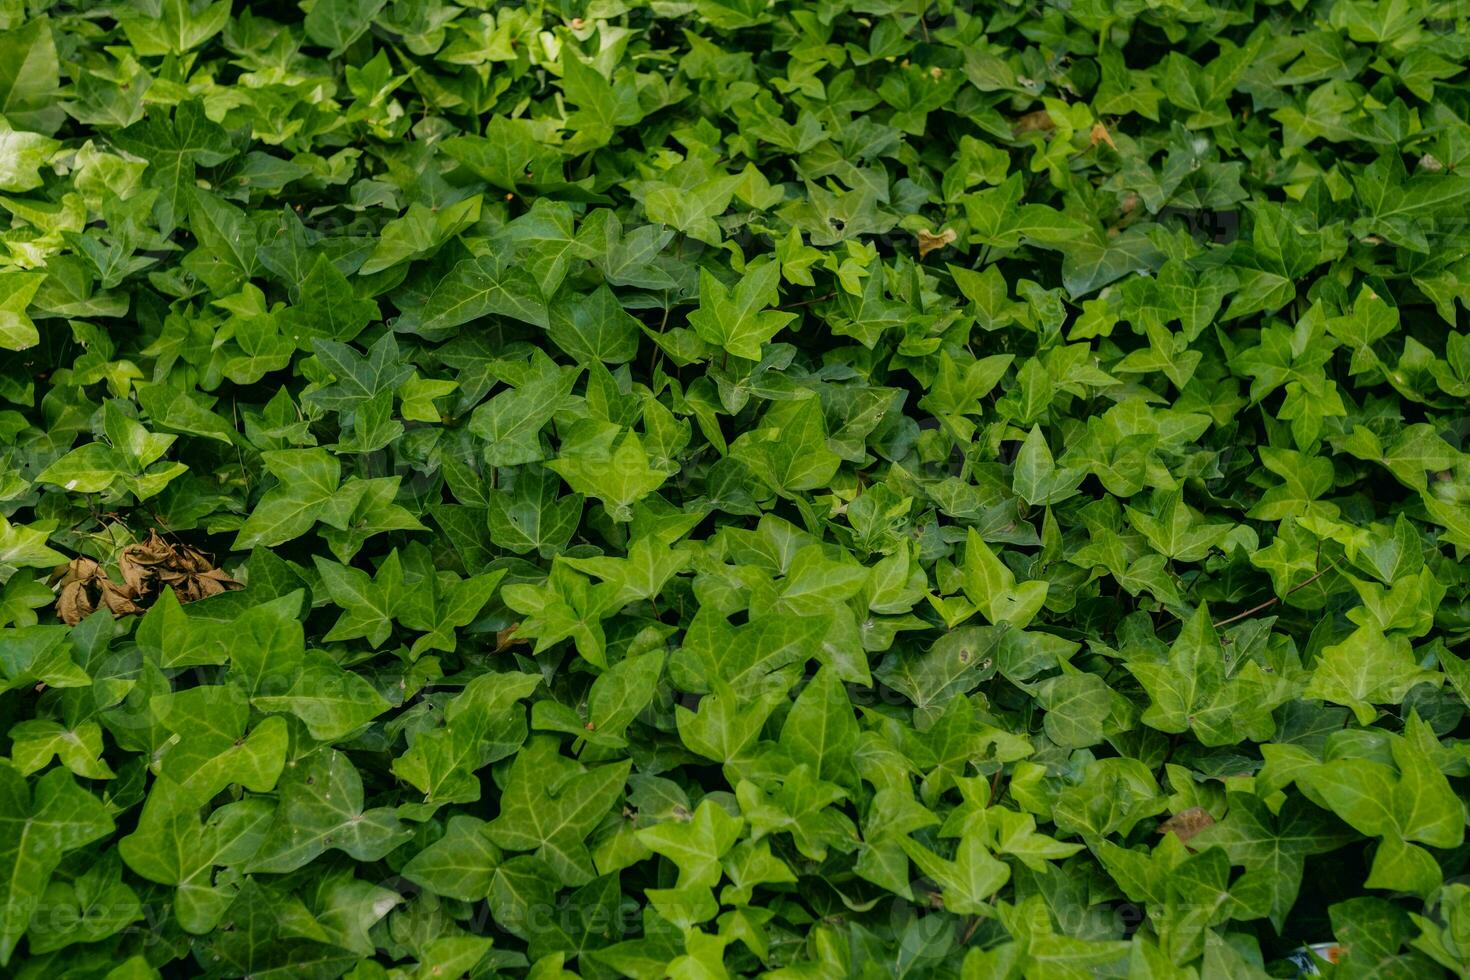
x=73 y=604
x=84 y=585
x=1186 y=823
x=145 y=567
x=118 y=600
x=1039 y=121
x=929 y=241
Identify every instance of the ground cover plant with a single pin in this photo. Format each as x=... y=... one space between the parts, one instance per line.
x=699 y=488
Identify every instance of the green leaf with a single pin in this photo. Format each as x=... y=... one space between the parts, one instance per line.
x=593 y=327
x=821 y=730
x=993 y=589
x=695 y=846
x=1272 y=847
x=25 y=547
x=551 y=805
x=174 y=148
x=1037 y=479
x=1365 y=669
x=482 y=724
x=30 y=76
x=737 y=320
x=306 y=492
x=955 y=665
x=511 y=421
x=1415 y=803
x=321 y=807
x=175 y=26
x=22 y=155
x=614 y=469
x=475 y=288
x=336 y=24
x=789 y=452
x=1194 y=690
x=327 y=307
x=967 y=881
x=461 y=864
x=42 y=823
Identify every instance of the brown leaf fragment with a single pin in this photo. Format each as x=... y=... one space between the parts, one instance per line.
x=1039 y=121
x=1186 y=823
x=506 y=638
x=83 y=585
x=118 y=600
x=145 y=568
x=185 y=569
x=930 y=242
x=138 y=563
x=193 y=576
x=73 y=604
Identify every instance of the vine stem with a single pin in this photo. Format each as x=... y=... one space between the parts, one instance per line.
x=806 y=302
x=1274 y=599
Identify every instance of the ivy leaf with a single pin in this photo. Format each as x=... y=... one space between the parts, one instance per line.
x=593 y=327
x=1365 y=669
x=1272 y=847
x=1415 y=803
x=1193 y=691
x=532 y=515
x=615 y=469
x=955 y=665
x=327 y=307
x=29 y=77
x=25 y=547
x=17 y=330
x=306 y=491
x=695 y=846
x=42 y=824
x=550 y=805
x=1037 y=479
x=481 y=725
x=789 y=452
x=461 y=864
x=443 y=606
x=616 y=698
x=174 y=148
x=231 y=835
x=321 y=807
x=821 y=731
x=419 y=232
x=993 y=589
x=336 y=24
x=1173 y=530
x=511 y=421
x=643 y=574
x=492 y=284
x=358 y=379
x=22 y=155
x=967 y=881
x=737 y=320
x=179 y=27
x=802 y=806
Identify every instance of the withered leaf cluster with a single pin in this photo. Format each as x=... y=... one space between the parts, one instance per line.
x=146 y=568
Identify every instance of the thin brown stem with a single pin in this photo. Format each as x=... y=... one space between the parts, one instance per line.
x=1274 y=599
x=806 y=302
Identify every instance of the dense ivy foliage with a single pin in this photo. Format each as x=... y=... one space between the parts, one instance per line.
x=698 y=488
